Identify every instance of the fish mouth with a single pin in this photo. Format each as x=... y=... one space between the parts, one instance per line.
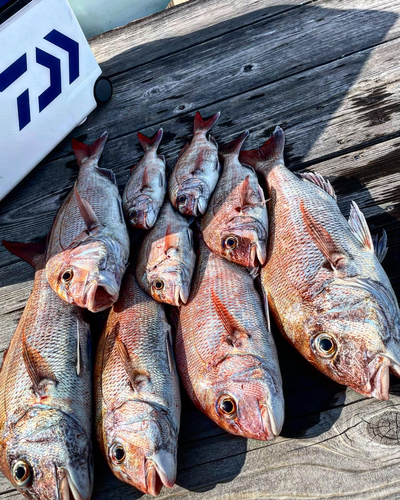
x=101 y=294
x=160 y=470
x=268 y=422
x=68 y=490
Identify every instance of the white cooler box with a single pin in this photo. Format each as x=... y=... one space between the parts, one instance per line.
x=47 y=78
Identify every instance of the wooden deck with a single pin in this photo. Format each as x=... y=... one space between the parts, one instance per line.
x=328 y=72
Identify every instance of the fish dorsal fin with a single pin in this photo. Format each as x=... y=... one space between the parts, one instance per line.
x=332 y=251
x=138 y=379
x=359 y=227
x=203 y=126
x=93 y=151
x=320 y=181
x=86 y=211
x=150 y=142
x=234 y=147
x=109 y=174
x=33 y=253
x=37 y=367
x=182 y=151
x=272 y=149
x=145 y=179
x=380 y=245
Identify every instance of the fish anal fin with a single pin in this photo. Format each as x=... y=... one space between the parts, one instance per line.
x=93 y=151
x=359 y=227
x=319 y=181
x=137 y=378
x=380 y=245
x=109 y=174
x=86 y=211
x=33 y=253
x=37 y=367
x=332 y=251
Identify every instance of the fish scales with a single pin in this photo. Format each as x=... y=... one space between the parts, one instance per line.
x=326 y=286
x=223 y=348
x=166 y=259
x=236 y=222
x=47 y=335
x=138 y=402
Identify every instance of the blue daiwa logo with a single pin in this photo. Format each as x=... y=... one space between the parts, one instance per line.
x=20 y=66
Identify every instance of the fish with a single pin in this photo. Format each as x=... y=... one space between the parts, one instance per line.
x=324 y=280
x=225 y=352
x=137 y=392
x=235 y=225
x=88 y=245
x=166 y=258
x=145 y=190
x=46 y=394
x=196 y=171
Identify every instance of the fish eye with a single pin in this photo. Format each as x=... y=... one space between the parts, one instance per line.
x=21 y=473
x=67 y=276
x=227 y=405
x=133 y=214
x=231 y=242
x=158 y=284
x=325 y=345
x=182 y=199
x=117 y=453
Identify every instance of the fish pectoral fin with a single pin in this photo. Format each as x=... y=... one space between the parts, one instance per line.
x=137 y=378
x=380 y=245
x=359 y=227
x=86 y=211
x=249 y=197
x=168 y=239
x=145 y=179
x=332 y=251
x=231 y=326
x=109 y=174
x=37 y=367
x=319 y=181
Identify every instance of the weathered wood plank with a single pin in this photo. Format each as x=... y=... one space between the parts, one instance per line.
x=324 y=111
x=174 y=30
x=236 y=62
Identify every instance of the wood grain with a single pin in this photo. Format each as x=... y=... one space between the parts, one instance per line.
x=328 y=72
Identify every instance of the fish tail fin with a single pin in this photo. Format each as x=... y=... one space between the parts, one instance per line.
x=201 y=125
x=234 y=146
x=33 y=253
x=271 y=150
x=150 y=142
x=85 y=151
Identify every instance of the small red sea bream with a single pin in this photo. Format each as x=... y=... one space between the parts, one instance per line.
x=166 y=259
x=145 y=190
x=235 y=225
x=46 y=395
x=88 y=246
x=323 y=277
x=225 y=353
x=196 y=172
x=137 y=392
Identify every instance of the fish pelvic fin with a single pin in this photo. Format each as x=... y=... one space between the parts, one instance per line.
x=137 y=378
x=380 y=245
x=234 y=147
x=271 y=150
x=93 y=151
x=33 y=253
x=86 y=211
x=320 y=181
x=201 y=125
x=332 y=251
x=359 y=227
x=37 y=367
x=150 y=142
